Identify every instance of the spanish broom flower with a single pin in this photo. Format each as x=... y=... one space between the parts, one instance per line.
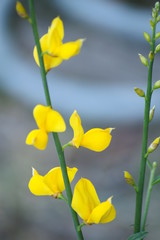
x=51 y=184
x=53 y=49
x=48 y=120
x=88 y=206
x=96 y=139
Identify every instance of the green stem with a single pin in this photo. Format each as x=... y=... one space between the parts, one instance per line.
x=55 y=135
x=66 y=145
x=36 y=37
x=148 y=197
x=139 y=195
x=62 y=197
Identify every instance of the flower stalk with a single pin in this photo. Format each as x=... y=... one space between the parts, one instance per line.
x=55 y=135
x=150 y=185
x=139 y=194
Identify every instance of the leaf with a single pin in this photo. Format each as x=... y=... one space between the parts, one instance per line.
x=138 y=236
x=156 y=180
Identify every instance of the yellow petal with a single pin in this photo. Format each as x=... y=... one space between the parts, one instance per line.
x=54 y=179
x=40 y=113
x=48 y=119
x=85 y=198
x=103 y=213
x=50 y=61
x=55 y=122
x=75 y=123
x=55 y=35
x=38 y=138
x=96 y=139
x=69 y=49
x=37 y=185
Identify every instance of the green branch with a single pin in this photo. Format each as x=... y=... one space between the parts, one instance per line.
x=139 y=195
x=55 y=135
x=150 y=185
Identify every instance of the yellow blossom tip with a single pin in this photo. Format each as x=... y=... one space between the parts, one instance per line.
x=111 y=129
x=110 y=199
x=34 y=171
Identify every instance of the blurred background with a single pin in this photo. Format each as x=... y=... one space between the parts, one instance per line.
x=98 y=83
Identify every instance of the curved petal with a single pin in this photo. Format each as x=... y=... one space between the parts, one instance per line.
x=75 y=123
x=38 y=138
x=37 y=185
x=55 y=35
x=48 y=119
x=69 y=49
x=55 y=122
x=96 y=139
x=85 y=198
x=49 y=60
x=40 y=113
x=103 y=213
x=54 y=179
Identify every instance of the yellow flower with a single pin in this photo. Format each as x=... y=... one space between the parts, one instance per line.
x=51 y=184
x=88 y=206
x=48 y=120
x=96 y=139
x=53 y=49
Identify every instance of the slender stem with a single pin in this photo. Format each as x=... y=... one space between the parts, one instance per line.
x=36 y=37
x=55 y=135
x=139 y=195
x=66 y=145
x=62 y=197
x=148 y=197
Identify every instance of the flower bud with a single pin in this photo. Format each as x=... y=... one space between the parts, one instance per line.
x=144 y=60
x=154 y=164
x=139 y=92
x=153 y=145
x=157 y=35
x=151 y=114
x=151 y=23
x=157 y=48
x=21 y=10
x=147 y=37
x=157 y=6
x=156 y=85
x=151 y=55
x=129 y=179
x=158 y=18
x=153 y=13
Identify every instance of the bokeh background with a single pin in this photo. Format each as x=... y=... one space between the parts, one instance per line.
x=98 y=83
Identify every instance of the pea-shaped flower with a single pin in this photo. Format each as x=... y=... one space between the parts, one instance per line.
x=88 y=206
x=51 y=184
x=53 y=49
x=96 y=139
x=48 y=120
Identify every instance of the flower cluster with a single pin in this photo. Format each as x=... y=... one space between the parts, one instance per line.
x=85 y=200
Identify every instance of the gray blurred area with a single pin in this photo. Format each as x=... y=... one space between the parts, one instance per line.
x=98 y=83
